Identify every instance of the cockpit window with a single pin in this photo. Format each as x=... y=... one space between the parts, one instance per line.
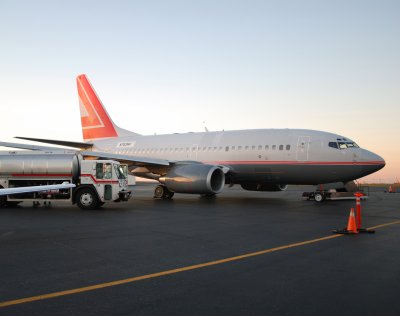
x=333 y=145
x=344 y=145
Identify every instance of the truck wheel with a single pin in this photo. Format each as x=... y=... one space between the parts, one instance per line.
x=319 y=197
x=87 y=199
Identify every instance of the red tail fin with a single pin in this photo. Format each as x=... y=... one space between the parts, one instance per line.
x=96 y=123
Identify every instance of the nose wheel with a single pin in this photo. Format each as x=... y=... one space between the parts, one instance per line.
x=162 y=192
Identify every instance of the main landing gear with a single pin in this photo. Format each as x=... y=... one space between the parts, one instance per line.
x=162 y=192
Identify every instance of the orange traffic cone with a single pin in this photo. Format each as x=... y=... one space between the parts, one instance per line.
x=351 y=224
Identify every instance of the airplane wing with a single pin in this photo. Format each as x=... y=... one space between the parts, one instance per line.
x=130 y=160
x=79 y=145
x=29 y=147
x=39 y=188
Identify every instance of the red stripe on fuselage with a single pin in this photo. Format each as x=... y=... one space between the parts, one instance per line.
x=255 y=162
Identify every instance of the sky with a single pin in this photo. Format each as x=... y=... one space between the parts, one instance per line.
x=177 y=66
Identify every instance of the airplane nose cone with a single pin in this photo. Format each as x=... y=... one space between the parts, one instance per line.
x=372 y=161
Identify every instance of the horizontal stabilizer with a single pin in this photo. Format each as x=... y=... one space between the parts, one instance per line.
x=80 y=145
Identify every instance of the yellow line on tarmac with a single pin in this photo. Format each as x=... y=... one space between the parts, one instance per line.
x=384 y=225
x=169 y=272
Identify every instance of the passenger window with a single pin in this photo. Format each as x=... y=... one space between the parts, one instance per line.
x=280 y=147
x=266 y=147
x=287 y=147
x=273 y=147
x=227 y=148
x=259 y=147
x=239 y=147
x=253 y=147
x=246 y=148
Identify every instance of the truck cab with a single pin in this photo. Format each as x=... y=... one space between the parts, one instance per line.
x=101 y=181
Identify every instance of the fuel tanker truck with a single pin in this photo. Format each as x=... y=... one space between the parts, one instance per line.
x=96 y=181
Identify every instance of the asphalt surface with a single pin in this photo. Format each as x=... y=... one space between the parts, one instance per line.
x=48 y=250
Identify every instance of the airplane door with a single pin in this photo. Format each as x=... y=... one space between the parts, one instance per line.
x=303 y=144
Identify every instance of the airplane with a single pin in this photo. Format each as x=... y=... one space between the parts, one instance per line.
x=204 y=162
x=37 y=188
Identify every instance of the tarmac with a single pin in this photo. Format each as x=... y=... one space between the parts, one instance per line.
x=240 y=253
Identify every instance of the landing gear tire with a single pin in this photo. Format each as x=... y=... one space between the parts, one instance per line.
x=162 y=192
x=87 y=199
x=319 y=197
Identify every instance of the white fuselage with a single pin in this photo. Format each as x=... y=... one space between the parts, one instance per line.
x=289 y=156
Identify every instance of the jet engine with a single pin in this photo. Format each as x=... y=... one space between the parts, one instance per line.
x=194 y=178
x=264 y=187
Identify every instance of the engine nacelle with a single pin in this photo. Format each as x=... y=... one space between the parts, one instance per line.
x=194 y=178
x=264 y=187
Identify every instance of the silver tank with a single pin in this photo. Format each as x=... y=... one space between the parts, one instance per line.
x=40 y=164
